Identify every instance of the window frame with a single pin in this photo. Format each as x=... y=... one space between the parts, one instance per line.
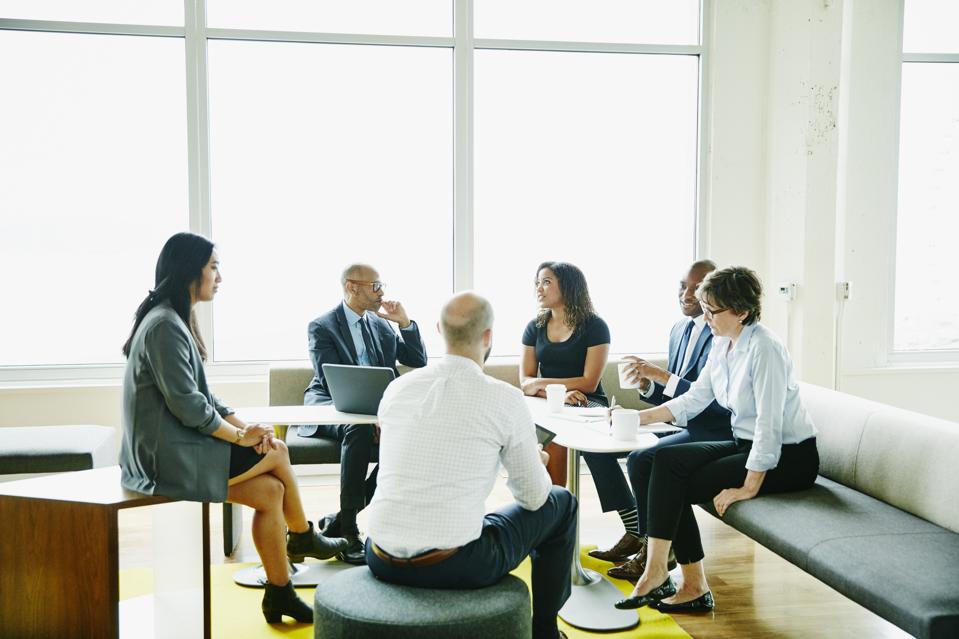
x=914 y=357
x=195 y=35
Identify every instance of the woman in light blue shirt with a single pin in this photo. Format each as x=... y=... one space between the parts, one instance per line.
x=749 y=372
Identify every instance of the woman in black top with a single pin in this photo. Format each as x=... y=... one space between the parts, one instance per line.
x=566 y=344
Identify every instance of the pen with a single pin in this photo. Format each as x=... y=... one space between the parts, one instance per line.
x=612 y=405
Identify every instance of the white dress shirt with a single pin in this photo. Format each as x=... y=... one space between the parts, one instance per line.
x=755 y=382
x=444 y=431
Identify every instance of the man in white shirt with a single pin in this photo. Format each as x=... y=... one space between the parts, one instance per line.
x=445 y=429
x=690 y=341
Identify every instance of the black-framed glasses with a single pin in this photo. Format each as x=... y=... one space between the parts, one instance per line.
x=710 y=313
x=377 y=285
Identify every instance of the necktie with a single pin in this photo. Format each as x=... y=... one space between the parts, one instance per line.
x=368 y=340
x=681 y=351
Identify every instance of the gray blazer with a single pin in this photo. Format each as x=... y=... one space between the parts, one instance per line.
x=168 y=415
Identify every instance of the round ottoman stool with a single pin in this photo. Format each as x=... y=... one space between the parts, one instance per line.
x=354 y=604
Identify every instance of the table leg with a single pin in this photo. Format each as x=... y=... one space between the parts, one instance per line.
x=590 y=603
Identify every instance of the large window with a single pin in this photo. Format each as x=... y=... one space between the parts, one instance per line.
x=927 y=307
x=322 y=155
x=575 y=164
x=93 y=178
x=451 y=144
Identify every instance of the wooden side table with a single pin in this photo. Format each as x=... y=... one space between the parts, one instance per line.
x=59 y=556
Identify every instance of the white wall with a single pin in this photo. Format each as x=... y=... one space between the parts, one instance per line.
x=816 y=84
x=799 y=183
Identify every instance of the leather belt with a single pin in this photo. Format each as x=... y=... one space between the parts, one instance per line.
x=419 y=561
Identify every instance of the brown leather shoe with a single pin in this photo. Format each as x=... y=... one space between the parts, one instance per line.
x=633 y=569
x=625 y=548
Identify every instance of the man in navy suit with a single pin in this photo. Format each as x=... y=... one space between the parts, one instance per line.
x=358 y=332
x=689 y=343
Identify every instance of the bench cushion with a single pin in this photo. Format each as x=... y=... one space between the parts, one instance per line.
x=54 y=449
x=342 y=609
x=315 y=450
x=903 y=458
x=894 y=563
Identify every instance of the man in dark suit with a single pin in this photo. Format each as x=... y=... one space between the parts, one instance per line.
x=358 y=332
x=689 y=343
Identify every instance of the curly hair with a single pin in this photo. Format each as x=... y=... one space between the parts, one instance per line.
x=576 y=300
x=736 y=288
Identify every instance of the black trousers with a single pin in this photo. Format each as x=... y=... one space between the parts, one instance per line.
x=356 y=451
x=688 y=474
x=547 y=535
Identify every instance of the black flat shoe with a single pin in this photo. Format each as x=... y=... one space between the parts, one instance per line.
x=704 y=603
x=665 y=589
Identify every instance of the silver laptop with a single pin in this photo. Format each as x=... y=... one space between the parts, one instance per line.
x=357 y=389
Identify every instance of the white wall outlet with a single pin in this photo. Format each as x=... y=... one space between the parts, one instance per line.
x=788 y=290
x=844 y=290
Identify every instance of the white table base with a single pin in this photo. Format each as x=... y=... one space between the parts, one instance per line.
x=304 y=575
x=590 y=603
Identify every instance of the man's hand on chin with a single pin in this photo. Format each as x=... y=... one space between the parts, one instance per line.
x=393 y=311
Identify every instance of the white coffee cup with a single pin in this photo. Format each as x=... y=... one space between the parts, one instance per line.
x=555 y=397
x=623 y=381
x=625 y=424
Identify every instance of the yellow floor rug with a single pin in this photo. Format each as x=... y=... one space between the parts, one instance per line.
x=236 y=610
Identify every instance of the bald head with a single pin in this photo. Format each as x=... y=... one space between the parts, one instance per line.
x=358 y=271
x=464 y=319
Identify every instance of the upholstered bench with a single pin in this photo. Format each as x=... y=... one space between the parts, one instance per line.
x=355 y=604
x=881 y=525
x=54 y=449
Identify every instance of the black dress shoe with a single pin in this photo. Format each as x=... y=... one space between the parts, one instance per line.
x=329 y=525
x=703 y=603
x=665 y=589
x=355 y=553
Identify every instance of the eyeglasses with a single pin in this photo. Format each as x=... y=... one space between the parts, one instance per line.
x=377 y=285
x=711 y=312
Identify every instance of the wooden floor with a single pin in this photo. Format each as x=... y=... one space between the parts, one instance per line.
x=758 y=594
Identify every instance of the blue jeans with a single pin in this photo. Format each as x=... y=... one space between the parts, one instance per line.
x=547 y=535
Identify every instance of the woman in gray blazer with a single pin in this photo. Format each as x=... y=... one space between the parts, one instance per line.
x=181 y=442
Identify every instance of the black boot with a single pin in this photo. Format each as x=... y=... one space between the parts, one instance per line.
x=283 y=600
x=312 y=544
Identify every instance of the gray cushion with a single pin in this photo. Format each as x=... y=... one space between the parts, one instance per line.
x=54 y=449
x=792 y=524
x=354 y=604
x=910 y=579
x=894 y=563
x=903 y=458
x=315 y=450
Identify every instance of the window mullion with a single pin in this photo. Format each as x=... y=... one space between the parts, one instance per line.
x=198 y=139
x=463 y=145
